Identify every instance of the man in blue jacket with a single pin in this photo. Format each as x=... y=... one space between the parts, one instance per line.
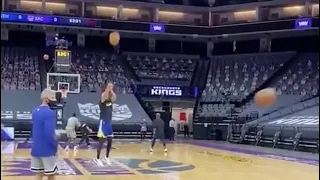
x=45 y=144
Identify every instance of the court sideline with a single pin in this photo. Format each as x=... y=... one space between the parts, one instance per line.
x=186 y=160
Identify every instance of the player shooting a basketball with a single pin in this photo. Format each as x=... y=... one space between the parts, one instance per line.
x=105 y=132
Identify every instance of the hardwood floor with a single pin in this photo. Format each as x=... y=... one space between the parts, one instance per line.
x=184 y=161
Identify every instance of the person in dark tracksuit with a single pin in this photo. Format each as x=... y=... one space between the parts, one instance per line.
x=186 y=129
x=158 y=128
x=85 y=130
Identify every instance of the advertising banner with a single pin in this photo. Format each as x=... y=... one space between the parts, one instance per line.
x=18 y=105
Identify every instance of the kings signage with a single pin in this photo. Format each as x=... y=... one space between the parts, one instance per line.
x=167 y=91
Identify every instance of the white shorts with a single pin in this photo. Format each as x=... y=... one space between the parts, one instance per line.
x=47 y=165
x=71 y=133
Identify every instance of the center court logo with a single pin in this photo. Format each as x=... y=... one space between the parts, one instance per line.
x=20 y=167
x=149 y=167
x=119 y=113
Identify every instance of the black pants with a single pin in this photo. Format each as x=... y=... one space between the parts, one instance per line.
x=172 y=132
x=161 y=138
x=84 y=137
x=101 y=141
x=186 y=131
x=143 y=135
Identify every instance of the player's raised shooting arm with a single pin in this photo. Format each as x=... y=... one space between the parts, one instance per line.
x=113 y=97
x=104 y=96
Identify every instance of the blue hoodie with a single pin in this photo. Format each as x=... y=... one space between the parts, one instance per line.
x=43 y=132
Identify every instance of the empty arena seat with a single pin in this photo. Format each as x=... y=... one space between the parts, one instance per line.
x=19 y=68
x=232 y=78
x=298 y=82
x=96 y=68
x=302 y=109
x=281 y=102
x=215 y=110
x=238 y=75
x=162 y=66
x=302 y=77
x=269 y=131
x=288 y=132
x=309 y=133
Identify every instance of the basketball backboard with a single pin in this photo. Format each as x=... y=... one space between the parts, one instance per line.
x=58 y=81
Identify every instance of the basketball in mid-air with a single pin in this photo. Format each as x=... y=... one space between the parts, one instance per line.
x=46 y=57
x=114 y=38
x=265 y=97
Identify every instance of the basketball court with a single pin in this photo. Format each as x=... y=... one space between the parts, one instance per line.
x=186 y=160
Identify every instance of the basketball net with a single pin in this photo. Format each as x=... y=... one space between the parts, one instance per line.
x=64 y=93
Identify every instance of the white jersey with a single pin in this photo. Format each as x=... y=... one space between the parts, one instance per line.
x=73 y=123
x=172 y=124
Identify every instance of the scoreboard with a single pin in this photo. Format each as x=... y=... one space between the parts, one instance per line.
x=63 y=58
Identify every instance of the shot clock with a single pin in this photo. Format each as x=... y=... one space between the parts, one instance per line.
x=63 y=58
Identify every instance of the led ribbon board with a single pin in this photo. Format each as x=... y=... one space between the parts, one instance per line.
x=261 y=26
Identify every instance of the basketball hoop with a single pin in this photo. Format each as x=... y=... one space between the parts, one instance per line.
x=58 y=81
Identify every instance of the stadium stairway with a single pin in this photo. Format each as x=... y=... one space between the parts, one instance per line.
x=127 y=68
x=199 y=80
x=130 y=74
x=200 y=74
x=196 y=73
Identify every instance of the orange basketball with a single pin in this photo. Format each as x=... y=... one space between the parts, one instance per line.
x=265 y=97
x=46 y=57
x=114 y=38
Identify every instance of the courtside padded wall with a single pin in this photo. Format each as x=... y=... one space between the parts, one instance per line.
x=18 y=104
